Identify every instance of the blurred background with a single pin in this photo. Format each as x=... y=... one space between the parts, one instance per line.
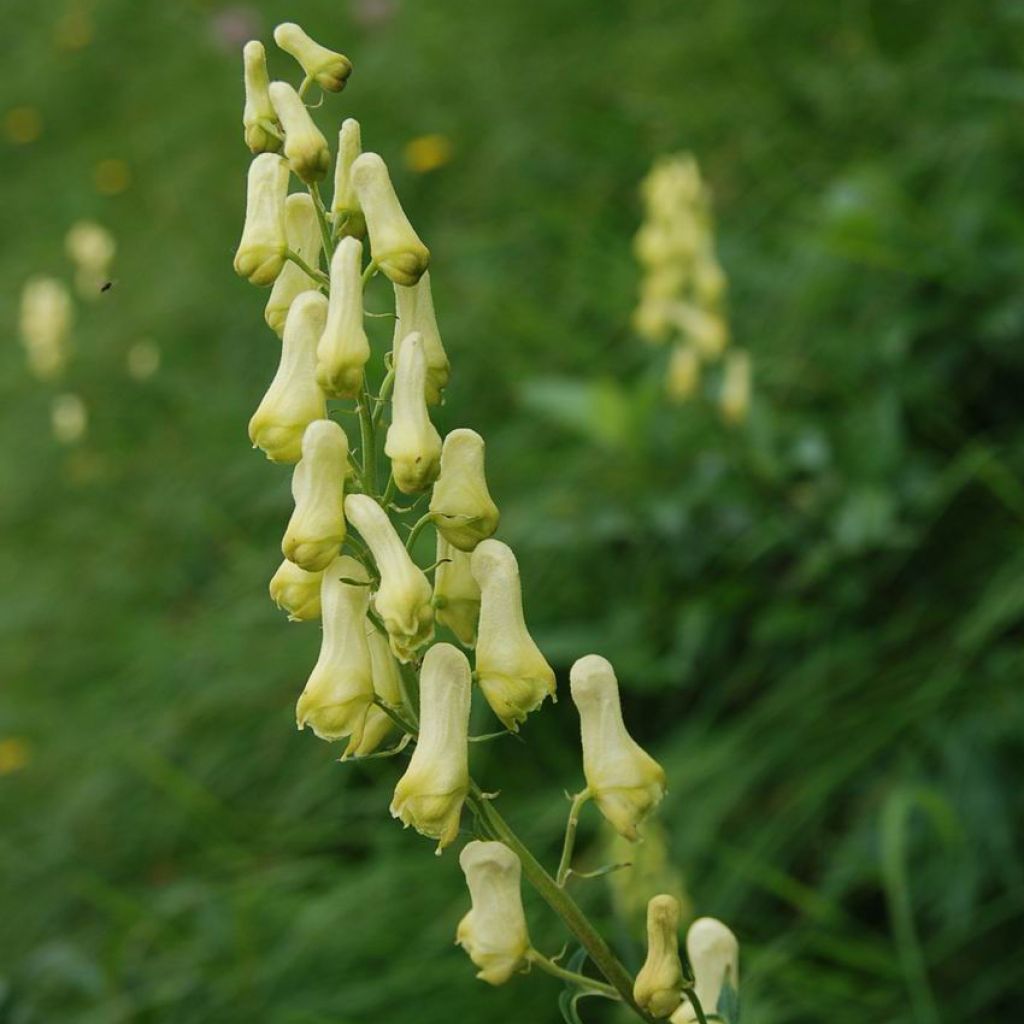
x=816 y=613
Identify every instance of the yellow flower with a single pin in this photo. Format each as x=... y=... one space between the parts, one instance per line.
x=414 y=309
x=412 y=443
x=427 y=152
x=294 y=399
x=394 y=245
x=261 y=252
x=735 y=395
x=69 y=418
x=296 y=591
x=456 y=593
x=714 y=955
x=683 y=377
x=387 y=687
x=494 y=932
x=403 y=598
x=430 y=795
x=344 y=349
x=623 y=779
x=340 y=687
x=348 y=214
x=259 y=122
x=510 y=669
x=658 y=987
x=91 y=248
x=460 y=504
x=328 y=69
x=45 y=325
x=15 y=754
x=304 y=145
x=303 y=233
x=316 y=529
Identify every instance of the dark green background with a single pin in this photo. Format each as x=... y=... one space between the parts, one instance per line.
x=817 y=619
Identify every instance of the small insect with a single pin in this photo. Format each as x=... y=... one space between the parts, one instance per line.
x=107 y=285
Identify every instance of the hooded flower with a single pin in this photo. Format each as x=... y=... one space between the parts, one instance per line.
x=658 y=987
x=456 y=593
x=316 y=529
x=494 y=932
x=387 y=687
x=340 y=688
x=259 y=122
x=460 y=504
x=511 y=671
x=403 y=598
x=296 y=591
x=343 y=348
x=294 y=398
x=714 y=955
x=394 y=245
x=303 y=234
x=623 y=779
x=261 y=252
x=328 y=69
x=304 y=145
x=429 y=796
x=414 y=308
x=348 y=214
x=412 y=444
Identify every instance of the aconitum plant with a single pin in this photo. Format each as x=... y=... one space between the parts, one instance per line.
x=381 y=683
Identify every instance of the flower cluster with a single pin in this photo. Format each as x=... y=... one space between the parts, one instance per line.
x=682 y=292
x=346 y=561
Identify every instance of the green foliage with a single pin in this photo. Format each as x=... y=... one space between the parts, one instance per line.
x=816 y=618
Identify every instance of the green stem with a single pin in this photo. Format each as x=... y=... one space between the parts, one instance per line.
x=316 y=275
x=368 y=442
x=395 y=717
x=326 y=238
x=560 y=901
x=417 y=529
x=695 y=1003
x=371 y=269
x=591 y=984
x=385 y=393
x=570 y=836
x=304 y=87
x=389 y=491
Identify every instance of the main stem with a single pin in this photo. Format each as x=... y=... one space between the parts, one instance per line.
x=560 y=901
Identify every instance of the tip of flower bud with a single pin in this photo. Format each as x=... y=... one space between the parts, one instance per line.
x=592 y=675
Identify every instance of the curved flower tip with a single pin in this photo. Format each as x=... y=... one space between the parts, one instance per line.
x=513 y=675
x=658 y=987
x=304 y=145
x=294 y=399
x=296 y=591
x=316 y=529
x=261 y=251
x=413 y=444
x=494 y=932
x=461 y=504
x=714 y=955
x=394 y=245
x=340 y=687
x=430 y=795
x=330 y=70
x=626 y=782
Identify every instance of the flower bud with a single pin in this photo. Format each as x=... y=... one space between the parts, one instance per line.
x=714 y=955
x=414 y=308
x=683 y=375
x=294 y=398
x=259 y=121
x=429 y=796
x=303 y=233
x=296 y=591
x=343 y=348
x=511 y=671
x=658 y=986
x=316 y=529
x=340 y=688
x=494 y=932
x=45 y=324
x=403 y=598
x=304 y=145
x=348 y=214
x=460 y=504
x=412 y=443
x=328 y=69
x=735 y=396
x=456 y=593
x=394 y=245
x=623 y=779
x=387 y=687
x=261 y=252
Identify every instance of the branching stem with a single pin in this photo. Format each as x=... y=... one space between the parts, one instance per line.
x=570 y=836
x=581 y=980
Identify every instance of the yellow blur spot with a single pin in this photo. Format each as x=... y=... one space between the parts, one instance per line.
x=23 y=125
x=427 y=153
x=111 y=177
x=15 y=753
x=73 y=30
